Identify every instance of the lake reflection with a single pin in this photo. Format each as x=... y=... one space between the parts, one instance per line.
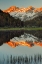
x=20 y=54
x=21 y=59
x=5 y=36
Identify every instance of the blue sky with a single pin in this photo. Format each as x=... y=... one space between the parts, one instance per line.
x=4 y=4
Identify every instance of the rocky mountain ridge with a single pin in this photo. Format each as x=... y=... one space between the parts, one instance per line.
x=22 y=9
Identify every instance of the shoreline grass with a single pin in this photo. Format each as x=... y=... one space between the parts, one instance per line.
x=24 y=28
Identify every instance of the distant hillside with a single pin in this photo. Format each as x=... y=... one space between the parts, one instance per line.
x=6 y=20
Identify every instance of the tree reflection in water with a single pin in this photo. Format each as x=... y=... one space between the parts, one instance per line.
x=5 y=36
x=36 y=59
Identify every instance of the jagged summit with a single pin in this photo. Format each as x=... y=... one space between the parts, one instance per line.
x=17 y=9
x=11 y=9
x=38 y=9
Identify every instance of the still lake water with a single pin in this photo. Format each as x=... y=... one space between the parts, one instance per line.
x=6 y=51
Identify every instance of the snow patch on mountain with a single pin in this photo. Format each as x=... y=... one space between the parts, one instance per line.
x=23 y=16
x=25 y=37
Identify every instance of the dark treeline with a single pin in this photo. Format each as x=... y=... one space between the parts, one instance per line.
x=36 y=59
x=8 y=21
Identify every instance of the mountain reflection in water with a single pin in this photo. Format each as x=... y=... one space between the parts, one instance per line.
x=21 y=37
x=24 y=52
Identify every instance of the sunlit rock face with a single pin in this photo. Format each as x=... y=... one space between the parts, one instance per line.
x=22 y=9
x=11 y=9
x=38 y=9
x=17 y=9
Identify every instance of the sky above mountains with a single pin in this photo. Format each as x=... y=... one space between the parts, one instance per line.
x=4 y=4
